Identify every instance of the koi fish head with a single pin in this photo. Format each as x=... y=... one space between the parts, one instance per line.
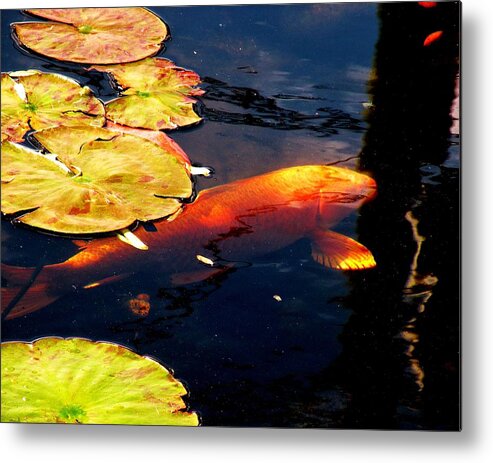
x=335 y=191
x=351 y=184
x=343 y=191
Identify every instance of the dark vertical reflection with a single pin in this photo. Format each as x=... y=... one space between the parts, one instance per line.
x=400 y=360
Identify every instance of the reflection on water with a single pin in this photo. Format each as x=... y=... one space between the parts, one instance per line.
x=417 y=290
x=400 y=357
x=375 y=349
x=246 y=106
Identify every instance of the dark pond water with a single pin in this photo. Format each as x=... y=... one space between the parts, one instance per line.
x=285 y=86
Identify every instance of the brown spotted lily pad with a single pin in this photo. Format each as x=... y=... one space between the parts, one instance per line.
x=93 y=35
x=156 y=94
x=78 y=381
x=98 y=181
x=38 y=100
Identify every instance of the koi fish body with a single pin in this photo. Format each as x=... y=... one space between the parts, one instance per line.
x=232 y=222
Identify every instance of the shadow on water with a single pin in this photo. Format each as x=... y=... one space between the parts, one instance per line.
x=399 y=367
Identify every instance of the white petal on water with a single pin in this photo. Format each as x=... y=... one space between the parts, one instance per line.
x=204 y=171
x=30 y=72
x=205 y=260
x=128 y=237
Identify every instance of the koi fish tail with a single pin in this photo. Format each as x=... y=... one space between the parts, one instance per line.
x=26 y=290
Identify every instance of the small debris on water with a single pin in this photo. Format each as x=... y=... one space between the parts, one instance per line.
x=205 y=260
x=277 y=297
x=204 y=171
x=140 y=305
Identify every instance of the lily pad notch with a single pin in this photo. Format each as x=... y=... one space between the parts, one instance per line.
x=34 y=100
x=79 y=381
x=155 y=94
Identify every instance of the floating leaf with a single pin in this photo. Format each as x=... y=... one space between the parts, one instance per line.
x=101 y=181
x=54 y=380
x=140 y=305
x=156 y=94
x=94 y=35
x=37 y=100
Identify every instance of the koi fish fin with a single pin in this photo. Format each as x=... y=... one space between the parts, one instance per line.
x=35 y=298
x=337 y=251
x=186 y=278
x=26 y=292
x=17 y=275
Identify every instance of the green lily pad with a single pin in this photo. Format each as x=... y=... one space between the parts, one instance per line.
x=38 y=100
x=99 y=181
x=55 y=380
x=156 y=94
x=93 y=35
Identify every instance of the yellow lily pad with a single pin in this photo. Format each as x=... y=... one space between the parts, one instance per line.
x=98 y=181
x=55 y=380
x=38 y=100
x=93 y=35
x=160 y=138
x=156 y=94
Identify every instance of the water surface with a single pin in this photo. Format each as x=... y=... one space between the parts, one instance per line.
x=285 y=86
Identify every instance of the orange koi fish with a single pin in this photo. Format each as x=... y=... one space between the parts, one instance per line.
x=226 y=224
x=433 y=37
